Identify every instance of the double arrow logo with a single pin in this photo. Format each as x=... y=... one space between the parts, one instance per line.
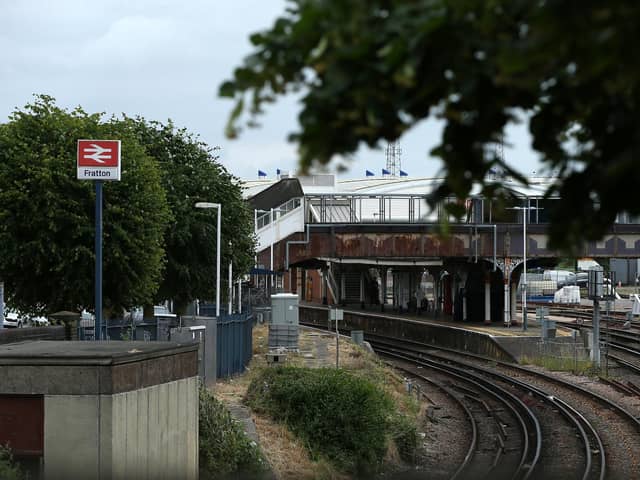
x=99 y=159
x=97 y=153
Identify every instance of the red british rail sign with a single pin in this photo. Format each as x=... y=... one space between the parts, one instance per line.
x=99 y=159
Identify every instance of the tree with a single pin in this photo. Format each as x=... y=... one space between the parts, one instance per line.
x=190 y=173
x=47 y=215
x=371 y=69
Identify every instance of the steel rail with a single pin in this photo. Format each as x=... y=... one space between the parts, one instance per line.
x=474 y=426
x=523 y=471
x=583 y=426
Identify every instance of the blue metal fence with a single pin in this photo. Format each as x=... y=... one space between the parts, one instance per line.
x=234 y=344
x=234 y=340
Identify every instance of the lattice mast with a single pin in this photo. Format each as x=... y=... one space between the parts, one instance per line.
x=394 y=160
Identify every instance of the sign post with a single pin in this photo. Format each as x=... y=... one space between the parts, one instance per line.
x=336 y=314
x=98 y=160
x=1 y=305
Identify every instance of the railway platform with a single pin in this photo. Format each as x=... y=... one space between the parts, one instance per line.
x=496 y=340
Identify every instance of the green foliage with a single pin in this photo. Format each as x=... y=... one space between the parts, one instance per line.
x=371 y=69
x=340 y=416
x=224 y=448
x=566 y=264
x=577 y=366
x=190 y=173
x=126 y=334
x=47 y=215
x=404 y=433
x=8 y=470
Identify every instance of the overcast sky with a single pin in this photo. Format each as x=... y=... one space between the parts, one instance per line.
x=164 y=59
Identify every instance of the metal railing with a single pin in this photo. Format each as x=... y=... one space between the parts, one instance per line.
x=409 y=208
x=147 y=330
x=234 y=342
x=287 y=207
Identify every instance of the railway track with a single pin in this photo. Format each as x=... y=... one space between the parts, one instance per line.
x=583 y=315
x=505 y=434
x=621 y=346
x=620 y=337
x=608 y=431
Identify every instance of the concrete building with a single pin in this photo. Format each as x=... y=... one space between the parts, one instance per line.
x=101 y=410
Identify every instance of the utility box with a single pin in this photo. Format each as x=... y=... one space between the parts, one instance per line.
x=357 y=337
x=284 y=309
x=283 y=329
x=101 y=410
x=548 y=329
x=601 y=284
x=195 y=333
x=283 y=336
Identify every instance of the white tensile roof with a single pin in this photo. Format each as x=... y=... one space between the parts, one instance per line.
x=388 y=185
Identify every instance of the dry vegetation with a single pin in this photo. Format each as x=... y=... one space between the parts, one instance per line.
x=286 y=455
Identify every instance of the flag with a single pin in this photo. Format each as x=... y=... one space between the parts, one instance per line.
x=261 y=173
x=369 y=173
x=386 y=172
x=403 y=173
x=277 y=171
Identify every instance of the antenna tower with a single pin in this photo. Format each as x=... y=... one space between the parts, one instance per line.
x=499 y=153
x=394 y=161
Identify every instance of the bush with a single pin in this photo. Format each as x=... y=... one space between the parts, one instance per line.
x=339 y=415
x=8 y=470
x=224 y=449
x=405 y=436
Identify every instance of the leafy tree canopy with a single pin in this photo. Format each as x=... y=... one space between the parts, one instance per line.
x=47 y=215
x=371 y=69
x=190 y=174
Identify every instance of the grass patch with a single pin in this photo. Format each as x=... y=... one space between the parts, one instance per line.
x=342 y=417
x=560 y=364
x=224 y=449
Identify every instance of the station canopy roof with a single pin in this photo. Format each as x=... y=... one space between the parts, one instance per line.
x=266 y=194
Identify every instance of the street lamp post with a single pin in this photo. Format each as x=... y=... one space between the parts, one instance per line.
x=230 y=287
x=525 y=213
x=219 y=207
x=230 y=278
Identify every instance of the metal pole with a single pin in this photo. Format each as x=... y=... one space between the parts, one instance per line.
x=230 y=288
x=255 y=231
x=218 y=233
x=273 y=233
x=337 y=342
x=239 y=296
x=524 y=283
x=607 y=339
x=596 y=333
x=218 y=262
x=1 y=305
x=98 y=269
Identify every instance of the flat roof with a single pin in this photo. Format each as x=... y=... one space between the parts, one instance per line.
x=93 y=368
x=53 y=352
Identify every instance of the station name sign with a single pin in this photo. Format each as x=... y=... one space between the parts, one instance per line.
x=99 y=160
